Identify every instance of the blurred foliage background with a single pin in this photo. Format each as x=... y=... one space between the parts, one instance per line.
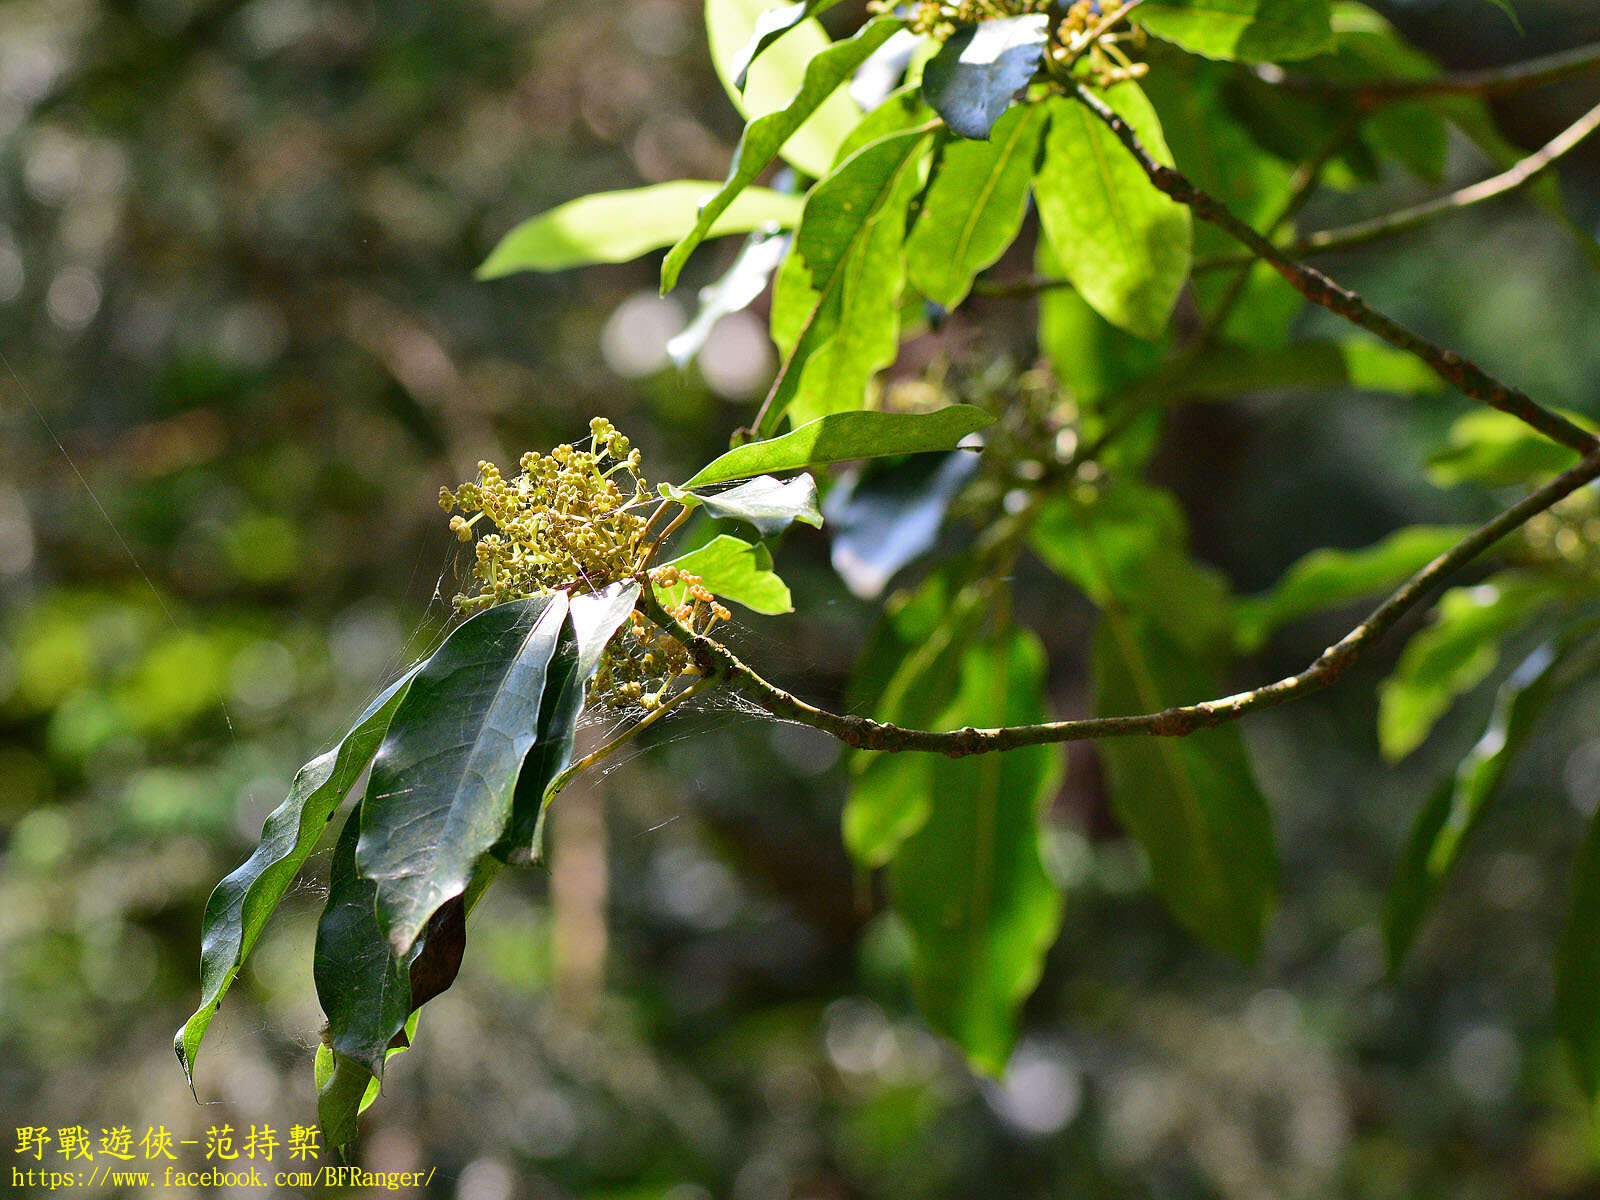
x=242 y=350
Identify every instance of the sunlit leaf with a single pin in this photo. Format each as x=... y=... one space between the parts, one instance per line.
x=735 y=570
x=770 y=505
x=1498 y=450
x=980 y=69
x=769 y=27
x=1246 y=30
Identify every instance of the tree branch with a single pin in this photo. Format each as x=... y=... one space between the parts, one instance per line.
x=864 y=734
x=1493 y=81
x=1461 y=372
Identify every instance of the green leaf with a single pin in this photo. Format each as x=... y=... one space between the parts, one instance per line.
x=973 y=206
x=1456 y=806
x=1088 y=353
x=735 y=570
x=1451 y=655
x=879 y=520
x=836 y=305
x=1124 y=245
x=241 y=904
x=1326 y=578
x=769 y=504
x=980 y=69
x=841 y=437
x=612 y=227
x=1243 y=30
x=1577 y=965
x=342 y=1084
x=776 y=123
x=1498 y=450
x=593 y=620
x=1191 y=801
x=441 y=787
x=970 y=884
x=772 y=24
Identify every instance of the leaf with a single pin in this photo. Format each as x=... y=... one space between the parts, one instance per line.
x=1326 y=578
x=1191 y=801
x=769 y=504
x=836 y=306
x=1498 y=450
x=1242 y=30
x=1577 y=1000
x=735 y=570
x=973 y=206
x=766 y=134
x=738 y=288
x=613 y=227
x=1124 y=245
x=1456 y=806
x=980 y=69
x=241 y=904
x=341 y=1085
x=772 y=81
x=592 y=620
x=1094 y=358
x=882 y=520
x=970 y=884
x=441 y=786
x=841 y=437
x=770 y=26
x=1451 y=655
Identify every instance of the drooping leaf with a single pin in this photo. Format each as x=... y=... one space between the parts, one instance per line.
x=973 y=206
x=441 y=786
x=770 y=26
x=980 y=69
x=612 y=227
x=593 y=620
x=738 y=288
x=882 y=520
x=1124 y=245
x=773 y=81
x=970 y=884
x=735 y=570
x=836 y=306
x=1191 y=801
x=841 y=437
x=767 y=134
x=1455 y=652
x=342 y=1084
x=241 y=904
x=1326 y=578
x=771 y=505
x=1455 y=807
x=1245 y=30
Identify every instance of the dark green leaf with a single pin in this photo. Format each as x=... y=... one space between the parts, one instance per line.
x=611 y=227
x=241 y=904
x=1451 y=655
x=970 y=883
x=1191 y=802
x=841 y=437
x=769 y=504
x=593 y=620
x=973 y=206
x=1327 y=578
x=734 y=570
x=1124 y=245
x=770 y=26
x=1246 y=30
x=1454 y=809
x=441 y=786
x=766 y=135
x=980 y=69
x=341 y=1086
x=835 y=308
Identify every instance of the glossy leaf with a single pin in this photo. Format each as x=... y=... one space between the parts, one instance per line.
x=842 y=437
x=592 y=621
x=769 y=27
x=735 y=570
x=882 y=520
x=970 y=884
x=612 y=227
x=1243 y=30
x=1326 y=578
x=973 y=206
x=1191 y=802
x=1124 y=245
x=767 y=134
x=768 y=504
x=241 y=904
x=441 y=786
x=980 y=69
x=342 y=1085
x=836 y=306
x=1456 y=806
x=1451 y=655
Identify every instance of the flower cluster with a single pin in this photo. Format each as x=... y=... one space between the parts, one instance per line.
x=941 y=18
x=565 y=524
